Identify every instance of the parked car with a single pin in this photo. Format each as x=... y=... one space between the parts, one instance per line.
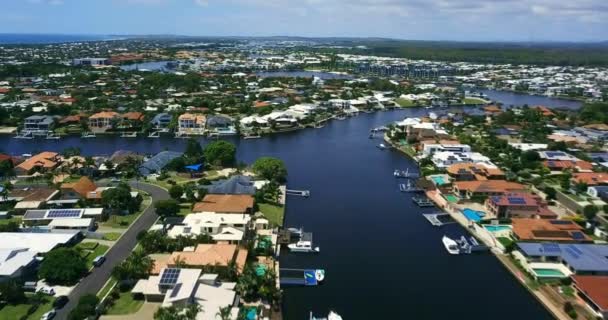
x=99 y=260
x=30 y=286
x=60 y=302
x=47 y=290
x=49 y=315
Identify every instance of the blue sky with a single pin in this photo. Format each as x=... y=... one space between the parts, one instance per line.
x=462 y=20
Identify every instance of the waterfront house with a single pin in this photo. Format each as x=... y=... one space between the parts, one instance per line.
x=550 y=230
x=191 y=124
x=468 y=189
x=444 y=159
x=581 y=259
x=182 y=287
x=469 y=171
x=158 y=162
x=219 y=255
x=161 y=121
x=228 y=228
x=593 y=290
x=78 y=190
x=221 y=125
x=103 y=121
x=430 y=148
x=225 y=203
x=42 y=162
x=131 y=120
x=38 y=124
x=519 y=205
x=238 y=184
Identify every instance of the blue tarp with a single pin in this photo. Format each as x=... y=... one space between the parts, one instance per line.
x=195 y=167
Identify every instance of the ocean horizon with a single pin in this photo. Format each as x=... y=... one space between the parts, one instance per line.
x=23 y=38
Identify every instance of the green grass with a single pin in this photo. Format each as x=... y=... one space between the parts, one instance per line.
x=274 y=214
x=404 y=103
x=506 y=242
x=14 y=312
x=42 y=309
x=12 y=219
x=123 y=222
x=474 y=101
x=568 y=291
x=111 y=236
x=90 y=255
x=102 y=293
x=87 y=245
x=125 y=304
x=184 y=209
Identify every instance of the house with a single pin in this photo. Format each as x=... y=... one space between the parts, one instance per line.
x=598 y=192
x=131 y=120
x=590 y=178
x=79 y=189
x=65 y=219
x=38 y=124
x=557 y=156
x=518 y=205
x=161 y=121
x=221 y=125
x=19 y=251
x=431 y=148
x=469 y=171
x=444 y=159
x=228 y=228
x=581 y=259
x=158 y=162
x=593 y=290
x=42 y=162
x=189 y=123
x=225 y=203
x=31 y=198
x=529 y=146
x=468 y=189
x=238 y=184
x=103 y=120
x=561 y=165
x=182 y=287
x=219 y=255
x=525 y=229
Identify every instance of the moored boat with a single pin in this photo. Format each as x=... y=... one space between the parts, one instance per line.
x=451 y=245
x=303 y=247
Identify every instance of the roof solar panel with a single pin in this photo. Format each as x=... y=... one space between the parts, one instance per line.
x=577 y=235
x=63 y=213
x=572 y=252
x=560 y=222
x=169 y=276
x=550 y=247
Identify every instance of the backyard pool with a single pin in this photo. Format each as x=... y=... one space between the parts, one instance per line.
x=473 y=215
x=496 y=228
x=438 y=180
x=549 y=273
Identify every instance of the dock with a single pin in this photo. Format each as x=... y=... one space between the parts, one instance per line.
x=434 y=219
x=301 y=193
x=423 y=202
x=405 y=174
x=408 y=187
x=301 y=277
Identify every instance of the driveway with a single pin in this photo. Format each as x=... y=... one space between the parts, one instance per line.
x=95 y=281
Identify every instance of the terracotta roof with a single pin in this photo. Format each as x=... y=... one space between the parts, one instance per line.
x=594 y=287
x=568 y=164
x=205 y=255
x=548 y=230
x=104 y=115
x=591 y=178
x=83 y=186
x=135 y=116
x=241 y=259
x=227 y=203
x=261 y=104
x=492 y=108
x=479 y=170
x=545 y=111
x=69 y=119
x=493 y=186
x=44 y=159
x=198 y=118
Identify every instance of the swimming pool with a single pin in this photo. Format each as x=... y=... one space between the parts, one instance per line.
x=549 y=273
x=438 y=180
x=451 y=198
x=473 y=215
x=496 y=228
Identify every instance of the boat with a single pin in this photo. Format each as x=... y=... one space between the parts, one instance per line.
x=155 y=134
x=341 y=117
x=331 y=316
x=297 y=232
x=87 y=135
x=303 y=247
x=52 y=136
x=450 y=245
x=257 y=136
x=129 y=135
x=381 y=146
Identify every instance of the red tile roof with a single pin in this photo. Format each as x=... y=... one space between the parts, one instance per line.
x=594 y=287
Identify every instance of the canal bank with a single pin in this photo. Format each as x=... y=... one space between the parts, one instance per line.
x=383 y=259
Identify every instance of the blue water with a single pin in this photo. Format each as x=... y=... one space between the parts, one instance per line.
x=382 y=259
x=438 y=180
x=493 y=228
x=509 y=99
x=11 y=38
x=304 y=74
x=472 y=214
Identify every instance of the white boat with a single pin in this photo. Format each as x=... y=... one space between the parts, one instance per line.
x=303 y=246
x=450 y=245
x=87 y=135
x=381 y=146
x=331 y=316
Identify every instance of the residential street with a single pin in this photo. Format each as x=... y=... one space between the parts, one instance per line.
x=120 y=251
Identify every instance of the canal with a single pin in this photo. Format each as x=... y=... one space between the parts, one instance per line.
x=383 y=260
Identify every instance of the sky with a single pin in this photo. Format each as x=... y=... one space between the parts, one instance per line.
x=459 y=20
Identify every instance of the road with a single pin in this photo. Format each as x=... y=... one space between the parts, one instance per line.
x=95 y=281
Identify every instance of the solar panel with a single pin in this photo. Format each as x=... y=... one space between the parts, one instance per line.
x=577 y=235
x=560 y=222
x=572 y=252
x=550 y=247
x=63 y=213
x=576 y=249
x=516 y=200
x=169 y=276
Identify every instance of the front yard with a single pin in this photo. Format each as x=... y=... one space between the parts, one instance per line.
x=123 y=222
x=125 y=304
x=91 y=250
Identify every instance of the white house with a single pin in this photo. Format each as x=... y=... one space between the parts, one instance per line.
x=222 y=227
x=430 y=149
x=445 y=159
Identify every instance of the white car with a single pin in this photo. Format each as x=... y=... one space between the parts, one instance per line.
x=47 y=290
x=49 y=315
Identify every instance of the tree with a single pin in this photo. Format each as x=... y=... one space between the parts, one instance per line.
x=64 y=266
x=118 y=199
x=85 y=308
x=590 y=211
x=137 y=266
x=550 y=192
x=225 y=313
x=166 y=208
x=6 y=168
x=220 y=153
x=193 y=149
x=172 y=313
x=176 y=191
x=271 y=169
x=11 y=292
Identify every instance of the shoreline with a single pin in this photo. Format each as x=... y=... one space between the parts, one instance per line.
x=553 y=309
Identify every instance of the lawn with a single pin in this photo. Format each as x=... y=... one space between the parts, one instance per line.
x=109 y=285
x=42 y=309
x=91 y=254
x=274 y=214
x=14 y=312
x=185 y=209
x=405 y=103
x=111 y=236
x=470 y=100
x=7 y=221
x=506 y=242
x=123 y=222
x=125 y=304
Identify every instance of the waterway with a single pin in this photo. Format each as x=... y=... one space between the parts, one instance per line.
x=383 y=260
x=508 y=99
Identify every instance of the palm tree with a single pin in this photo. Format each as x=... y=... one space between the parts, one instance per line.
x=225 y=313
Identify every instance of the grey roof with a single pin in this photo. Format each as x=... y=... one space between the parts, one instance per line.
x=218 y=121
x=581 y=257
x=161 y=117
x=34 y=214
x=233 y=185
x=158 y=162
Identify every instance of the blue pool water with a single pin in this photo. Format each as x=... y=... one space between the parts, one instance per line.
x=492 y=228
x=438 y=180
x=473 y=215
